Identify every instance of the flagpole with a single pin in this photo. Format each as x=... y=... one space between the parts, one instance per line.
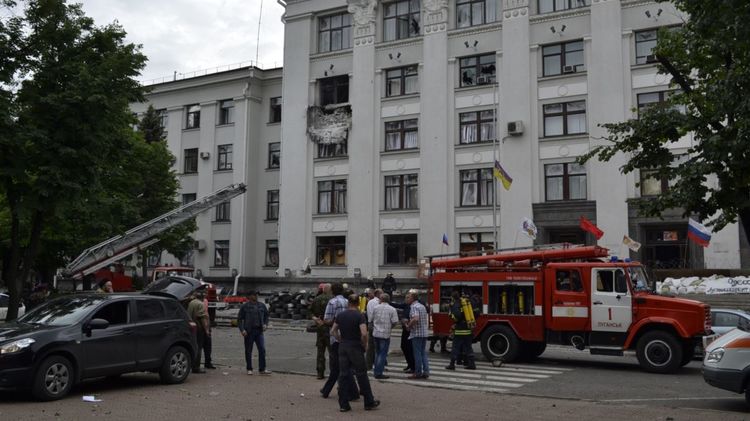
x=494 y=158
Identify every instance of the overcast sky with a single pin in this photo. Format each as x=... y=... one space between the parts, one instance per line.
x=189 y=35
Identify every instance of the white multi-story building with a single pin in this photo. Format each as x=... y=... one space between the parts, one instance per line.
x=224 y=128
x=391 y=108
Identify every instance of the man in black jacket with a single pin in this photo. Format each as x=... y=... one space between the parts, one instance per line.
x=252 y=321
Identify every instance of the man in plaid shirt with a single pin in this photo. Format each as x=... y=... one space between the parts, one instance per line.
x=336 y=305
x=418 y=325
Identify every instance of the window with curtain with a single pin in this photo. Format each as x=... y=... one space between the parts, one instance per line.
x=477 y=187
x=564 y=118
x=565 y=181
x=477 y=126
x=401 y=135
x=401 y=19
x=402 y=81
x=474 y=12
x=332 y=196
x=331 y=251
x=402 y=192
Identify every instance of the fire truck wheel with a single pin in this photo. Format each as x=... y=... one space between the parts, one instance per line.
x=499 y=342
x=659 y=352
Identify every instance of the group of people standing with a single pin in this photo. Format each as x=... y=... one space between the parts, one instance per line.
x=357 y=338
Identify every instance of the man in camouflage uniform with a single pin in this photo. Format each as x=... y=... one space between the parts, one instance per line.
x=322 y=342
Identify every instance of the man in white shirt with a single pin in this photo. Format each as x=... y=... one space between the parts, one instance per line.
x=384 y=318
x=373 y=295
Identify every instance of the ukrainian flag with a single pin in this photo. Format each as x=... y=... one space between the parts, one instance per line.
x=502 y=175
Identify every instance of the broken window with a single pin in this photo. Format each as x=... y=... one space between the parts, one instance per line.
x=402 y=81
x=334 y=90
x=329 y=128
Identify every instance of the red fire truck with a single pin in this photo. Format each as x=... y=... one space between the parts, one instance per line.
x=577 y=296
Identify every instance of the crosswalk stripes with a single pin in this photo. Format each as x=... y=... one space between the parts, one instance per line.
x=485 y=378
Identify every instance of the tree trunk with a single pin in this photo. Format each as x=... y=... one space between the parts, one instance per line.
x=745 y=219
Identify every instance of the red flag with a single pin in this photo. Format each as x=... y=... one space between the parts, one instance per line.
x=589 y=226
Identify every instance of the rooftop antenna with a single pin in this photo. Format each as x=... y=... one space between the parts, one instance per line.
x=257 y=40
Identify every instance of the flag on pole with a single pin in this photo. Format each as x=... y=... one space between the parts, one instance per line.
x=528 y=228
x=698 y=233
x=589 y=226
x=502 y=175
x=445 y=239
x=630 y=243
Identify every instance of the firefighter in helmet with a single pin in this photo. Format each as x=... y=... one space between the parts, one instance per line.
x=463 y=320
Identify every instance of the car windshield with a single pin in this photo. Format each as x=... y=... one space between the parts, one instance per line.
x=63 y=311
x=638 y=278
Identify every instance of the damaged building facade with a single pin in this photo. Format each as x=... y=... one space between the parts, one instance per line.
x=391 y=109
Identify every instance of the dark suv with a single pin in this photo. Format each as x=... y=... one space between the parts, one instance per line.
x=83 y=336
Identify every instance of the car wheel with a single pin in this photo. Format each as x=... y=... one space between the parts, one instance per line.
x=659 y=352
x=176 y=365
x=499 y=342
x=53 y=379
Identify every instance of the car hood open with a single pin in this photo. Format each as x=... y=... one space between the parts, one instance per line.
x=179 y=287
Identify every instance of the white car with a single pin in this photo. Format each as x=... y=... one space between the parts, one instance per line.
x=727 y=361
x=4 y=299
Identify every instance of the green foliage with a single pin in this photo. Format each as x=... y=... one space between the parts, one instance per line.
x=65 y=133
x=708 y=58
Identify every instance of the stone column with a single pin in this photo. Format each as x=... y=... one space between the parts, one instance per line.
x=515 y=105
x=435 y=173
x=362 y=146
x=606 y=103
x=296 y=174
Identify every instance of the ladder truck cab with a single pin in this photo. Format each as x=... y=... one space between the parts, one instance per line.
x=569 y=295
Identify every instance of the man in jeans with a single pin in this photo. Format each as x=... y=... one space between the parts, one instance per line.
x=350 y=330
x=252 y=321
x=337 y=305
x=418 y=324
x=384 y=318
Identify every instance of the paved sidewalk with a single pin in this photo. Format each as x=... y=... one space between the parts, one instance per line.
x=231 y=394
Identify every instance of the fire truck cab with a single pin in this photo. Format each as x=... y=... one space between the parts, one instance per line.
x=574 y=296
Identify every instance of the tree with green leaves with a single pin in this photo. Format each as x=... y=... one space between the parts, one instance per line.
x=707 y=58
x=65 y=90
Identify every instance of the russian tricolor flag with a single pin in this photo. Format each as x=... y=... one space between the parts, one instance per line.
x=698 y=233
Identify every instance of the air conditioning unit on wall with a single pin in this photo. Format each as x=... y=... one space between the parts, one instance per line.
x=569 y=69
x=199 y=245
x=205 y=155
x=515 y=128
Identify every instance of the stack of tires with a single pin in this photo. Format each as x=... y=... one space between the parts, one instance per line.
x=290 y=305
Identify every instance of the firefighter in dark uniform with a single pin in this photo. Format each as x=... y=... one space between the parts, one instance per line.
x=461 y=336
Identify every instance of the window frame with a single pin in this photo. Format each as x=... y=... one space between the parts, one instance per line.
x=411 y=17
x=274 y=110
x=645 y=175
x=272 y=245
x=643 y=59
x=226 y=113
x=274 y=151
x=192 y=116
x=332 y=244
x=403 y=188
x=400 y=127
x=487 y=17
x=333 y=150
x=221 y=254
x=478 y=246
x=334 y=191
x=188 y=198
x=224 y=155
x=571 y=4
x=564 y=114
x=334 y=84
x=402 y=78
x=403 y=243
x=477 y=69
x=222 y=213
x=482 y=176
x=190 y=155
x=163 y=114
x=566 y=177
x=344 y=28
x=272 y=206
x=478 y=122
x=564 y=51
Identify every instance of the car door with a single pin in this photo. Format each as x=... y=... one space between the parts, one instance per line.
x=111 y=350
x=152 y=332
x=569 y=300
x=611 y=307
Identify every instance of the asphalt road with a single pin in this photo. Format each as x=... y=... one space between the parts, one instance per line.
x=562 y=384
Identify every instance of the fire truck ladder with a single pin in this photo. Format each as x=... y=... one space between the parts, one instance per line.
x=546 y=255
x=144 y=235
